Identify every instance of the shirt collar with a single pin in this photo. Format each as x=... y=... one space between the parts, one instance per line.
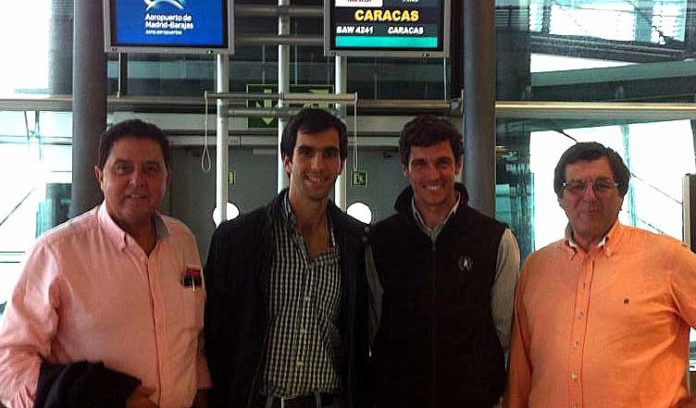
x=288 y=215
x=608 y=243
x=436 y=229
x=291 y=222
x=119 y=235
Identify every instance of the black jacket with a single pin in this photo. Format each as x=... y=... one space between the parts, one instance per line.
x=82 y=385
x=437 y=345
x=236 y=317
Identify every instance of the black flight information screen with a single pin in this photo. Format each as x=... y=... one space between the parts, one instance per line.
x=386 y=27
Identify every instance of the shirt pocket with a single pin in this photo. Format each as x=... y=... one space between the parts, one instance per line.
x=191 y=306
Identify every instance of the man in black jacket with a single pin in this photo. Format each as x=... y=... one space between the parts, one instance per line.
x=286 y=315
x=448 y=274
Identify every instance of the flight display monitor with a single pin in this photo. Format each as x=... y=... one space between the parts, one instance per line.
x=396 y=28
x=169 y=26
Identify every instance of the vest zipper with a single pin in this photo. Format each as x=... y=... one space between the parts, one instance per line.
x=433 y=386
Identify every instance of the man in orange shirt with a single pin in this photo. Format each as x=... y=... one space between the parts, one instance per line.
x=602 y=317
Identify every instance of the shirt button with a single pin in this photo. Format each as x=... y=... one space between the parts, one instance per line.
x=581 y=315
x=574 y=376
x=307 y=299
x=299 y=363
x=576 y=344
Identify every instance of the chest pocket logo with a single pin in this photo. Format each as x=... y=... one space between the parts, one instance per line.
x=465 y=263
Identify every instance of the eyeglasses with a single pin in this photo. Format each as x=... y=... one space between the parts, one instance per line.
x=600 y=186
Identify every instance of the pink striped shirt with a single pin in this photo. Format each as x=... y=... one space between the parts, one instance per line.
x=89 y=292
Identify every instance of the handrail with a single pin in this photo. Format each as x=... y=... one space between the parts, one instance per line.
x=504 y=109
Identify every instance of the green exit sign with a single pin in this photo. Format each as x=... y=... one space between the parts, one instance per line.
x=360 y=178
x=232 y=177
x=270 y=121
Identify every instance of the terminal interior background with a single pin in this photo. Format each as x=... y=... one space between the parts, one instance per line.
x=621 y=72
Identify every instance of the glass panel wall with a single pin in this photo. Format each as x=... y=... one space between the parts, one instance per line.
x=25 y=63
x=595 y=50
x=35 y=163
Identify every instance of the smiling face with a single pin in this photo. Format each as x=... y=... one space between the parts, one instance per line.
x=315 y=164
x=431 y=171
x=592 y=213
x=133 y=180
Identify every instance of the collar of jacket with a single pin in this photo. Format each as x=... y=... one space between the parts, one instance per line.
x=340 y=220
x=402 y=205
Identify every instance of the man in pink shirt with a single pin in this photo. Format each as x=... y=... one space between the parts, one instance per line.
x=108 y=310
x=602 y=317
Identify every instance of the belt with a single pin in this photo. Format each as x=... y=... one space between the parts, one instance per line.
x=303 y=401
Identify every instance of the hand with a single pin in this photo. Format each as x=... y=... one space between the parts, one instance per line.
x=138 y=399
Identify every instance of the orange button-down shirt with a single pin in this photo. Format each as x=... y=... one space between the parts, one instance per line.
x=89 y=292
x=608 y=328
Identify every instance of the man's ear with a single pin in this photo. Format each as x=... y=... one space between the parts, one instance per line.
x=99 y=174
x=459 y=164
x=287 y=164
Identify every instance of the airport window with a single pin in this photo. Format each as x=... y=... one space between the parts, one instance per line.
x=360 y=211
x=594 y=50
x=35 y=164
x=25 y=63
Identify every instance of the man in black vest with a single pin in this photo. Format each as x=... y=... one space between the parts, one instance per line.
x=286 y=313
x=448 y=275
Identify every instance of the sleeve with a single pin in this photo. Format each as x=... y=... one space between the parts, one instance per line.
x=502 y=294
x=29 y=326
x=374 y=296
x=216 y=351
x=683 y=283
x=519 y=366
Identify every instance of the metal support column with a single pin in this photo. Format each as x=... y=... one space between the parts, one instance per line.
x=340 y=196
x=222 y=139
x=89 y=103
x=630 y=200
x=283 y=85
x=479 y=104
x=122 y=75
x=60 y=58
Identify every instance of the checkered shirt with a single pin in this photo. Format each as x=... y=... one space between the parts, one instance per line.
x=304 y=353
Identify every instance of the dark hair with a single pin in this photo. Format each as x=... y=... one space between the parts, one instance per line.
x=312 y=120
x=591 y=151
x=135 y=128
x=427 y=130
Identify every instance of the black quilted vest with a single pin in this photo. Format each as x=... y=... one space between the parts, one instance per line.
x=437 y=345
